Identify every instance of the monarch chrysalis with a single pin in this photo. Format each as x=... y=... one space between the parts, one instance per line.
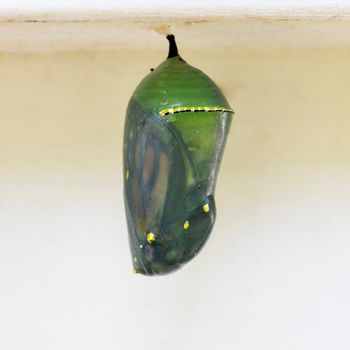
x=176 y=125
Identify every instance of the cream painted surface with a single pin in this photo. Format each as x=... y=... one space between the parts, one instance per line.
x=195 y=31
x=274 y=274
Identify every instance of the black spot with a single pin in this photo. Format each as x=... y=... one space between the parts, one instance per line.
x=152 y=69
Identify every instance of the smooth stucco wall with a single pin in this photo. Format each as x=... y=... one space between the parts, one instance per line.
x=274 y=274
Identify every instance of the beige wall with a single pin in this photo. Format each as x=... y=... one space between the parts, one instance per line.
x=274 y=274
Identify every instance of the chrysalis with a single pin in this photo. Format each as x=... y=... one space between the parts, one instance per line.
x=176 y=125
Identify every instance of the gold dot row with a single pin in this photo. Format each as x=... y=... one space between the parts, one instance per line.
x=194 y=109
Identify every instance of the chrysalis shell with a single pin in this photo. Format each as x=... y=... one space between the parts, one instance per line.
x=176 y=126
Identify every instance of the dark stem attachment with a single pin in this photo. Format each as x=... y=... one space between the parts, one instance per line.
x=172 y=46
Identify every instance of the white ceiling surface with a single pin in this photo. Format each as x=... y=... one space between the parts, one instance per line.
x=13 y=7
x=146 y=4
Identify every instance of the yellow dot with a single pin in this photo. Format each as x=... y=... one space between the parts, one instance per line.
x=206 y=208
x=135 y=259
x=134 y=271
x=127 y=173
x=186 y=225
x=150 y=238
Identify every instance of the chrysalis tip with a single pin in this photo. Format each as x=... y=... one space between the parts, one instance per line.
x=172 y=46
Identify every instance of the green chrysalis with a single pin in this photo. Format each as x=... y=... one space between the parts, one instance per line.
x=176 y=125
